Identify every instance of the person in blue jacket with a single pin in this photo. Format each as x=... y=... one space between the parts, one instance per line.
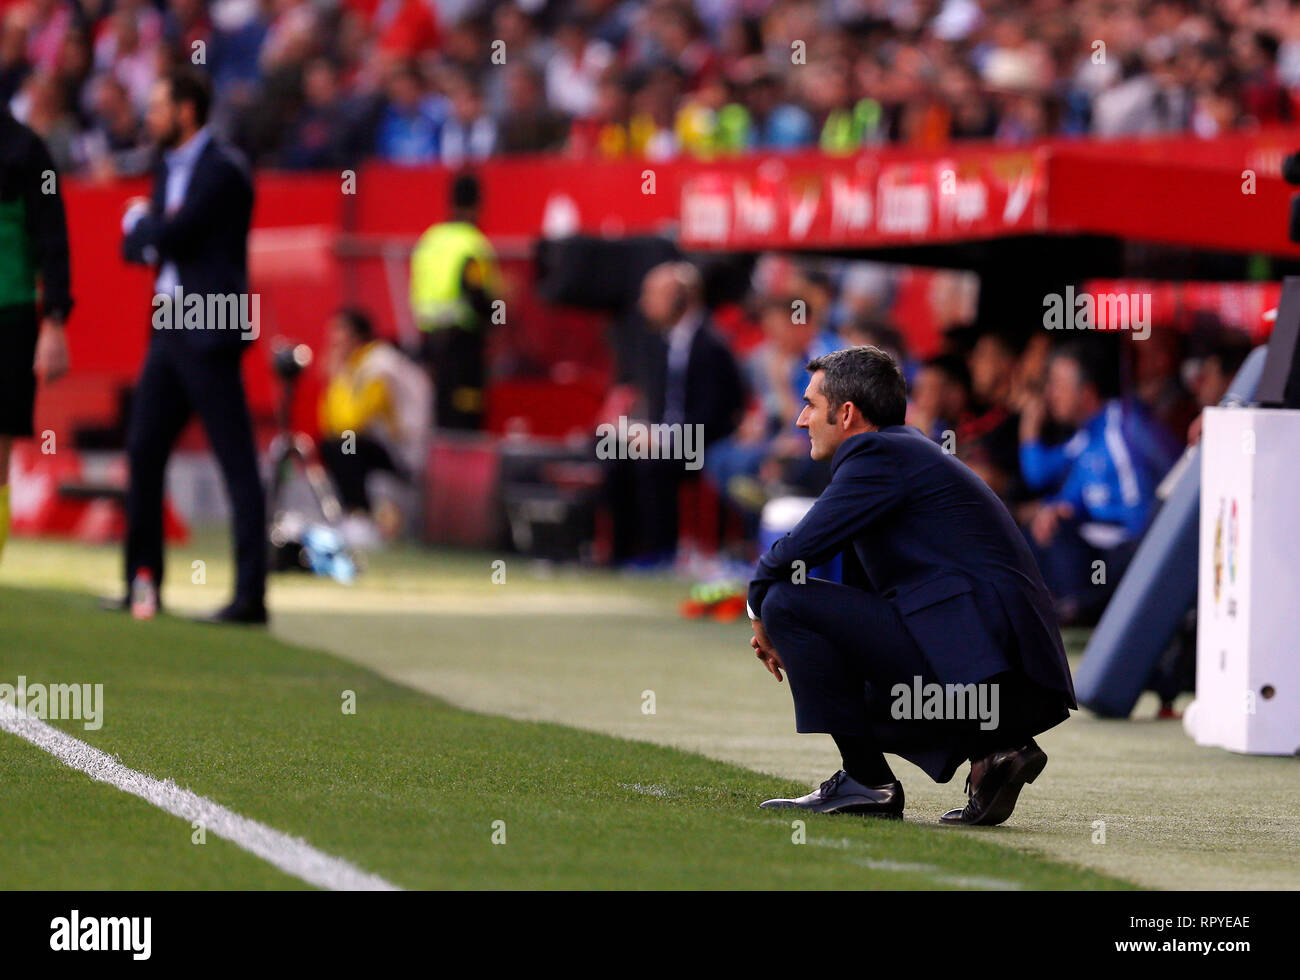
x=1099 y=486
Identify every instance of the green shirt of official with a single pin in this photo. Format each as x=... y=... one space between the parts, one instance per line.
x=451 y=263
x=17 y=269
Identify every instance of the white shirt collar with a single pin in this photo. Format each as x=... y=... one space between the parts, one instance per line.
x=684 y=329
x=185 y=154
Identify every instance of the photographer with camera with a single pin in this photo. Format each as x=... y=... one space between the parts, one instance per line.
x=373 y=418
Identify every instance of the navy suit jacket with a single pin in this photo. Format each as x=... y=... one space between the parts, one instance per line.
x=935 y=541
x=207 y=236
x=715 y=390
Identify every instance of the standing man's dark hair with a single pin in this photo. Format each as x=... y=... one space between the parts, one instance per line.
x=867 y=377
x=190 y=87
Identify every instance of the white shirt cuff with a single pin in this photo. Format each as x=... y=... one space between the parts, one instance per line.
x=132 y=216
x=750 y=611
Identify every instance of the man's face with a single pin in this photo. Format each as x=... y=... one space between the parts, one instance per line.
x=465 y=104
x=990 y=366
x=342 y=339
x=929 y=392
x=1065 y=393
x=823 y=426
x=1211 y=382
x=659 y=299
x=163 y=116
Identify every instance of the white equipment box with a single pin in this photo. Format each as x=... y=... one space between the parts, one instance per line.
x=1248 y=618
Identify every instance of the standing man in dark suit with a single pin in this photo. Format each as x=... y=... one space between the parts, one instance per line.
x=689 y=378
x=946 y=649
x=194 y=232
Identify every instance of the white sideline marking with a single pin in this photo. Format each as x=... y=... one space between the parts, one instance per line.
x=292 y=855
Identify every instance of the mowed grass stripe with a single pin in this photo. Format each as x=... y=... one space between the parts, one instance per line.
x=63 y=831
x=412 y=789
x=289 y=854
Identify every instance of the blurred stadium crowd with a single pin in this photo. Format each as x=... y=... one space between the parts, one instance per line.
x=324 y=83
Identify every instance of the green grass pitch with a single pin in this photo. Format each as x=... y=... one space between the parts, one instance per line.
x=524 y=702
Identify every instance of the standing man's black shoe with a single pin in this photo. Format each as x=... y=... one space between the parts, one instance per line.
x=994 y=784
x=844 y=794
x=238 y=612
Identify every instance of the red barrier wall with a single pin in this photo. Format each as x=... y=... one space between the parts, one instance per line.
x=1177 y=190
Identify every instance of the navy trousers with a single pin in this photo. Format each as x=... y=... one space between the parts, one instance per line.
x=841 y=647
x=176 y=383
x=844 y=649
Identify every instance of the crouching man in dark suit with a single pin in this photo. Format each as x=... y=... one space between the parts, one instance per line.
x=942 y=647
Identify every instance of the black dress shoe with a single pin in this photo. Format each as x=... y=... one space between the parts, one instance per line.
x=994 y=784
x=844 y=794
x=244 y=613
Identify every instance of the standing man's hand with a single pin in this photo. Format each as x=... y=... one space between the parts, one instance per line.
x=51 y=359
x=132 y=212
x=764 y=650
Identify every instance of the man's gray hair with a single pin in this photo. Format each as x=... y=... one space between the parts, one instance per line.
x=869 y=378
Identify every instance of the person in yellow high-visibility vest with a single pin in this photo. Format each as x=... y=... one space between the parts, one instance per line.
x=454 y=282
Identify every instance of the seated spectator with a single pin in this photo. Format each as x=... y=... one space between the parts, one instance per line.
x=373 y=417
x=604 y=133
x=575 y=69
x=989 y=441
x=612 y=20
x=1157 y=383
x=1100 y=484
x=408 y=128
x=654 y=115
x=468 y=133
x=777 y=122
x=677 y=38
x=14 y=66
x=767 y=439
x=529 y=125
x=407 y=28
x=710 y=122
x=127 y=46
x=318 y=136
x=40 y=105
x=1217 y=356
x=114 y=145
x=941 y=399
